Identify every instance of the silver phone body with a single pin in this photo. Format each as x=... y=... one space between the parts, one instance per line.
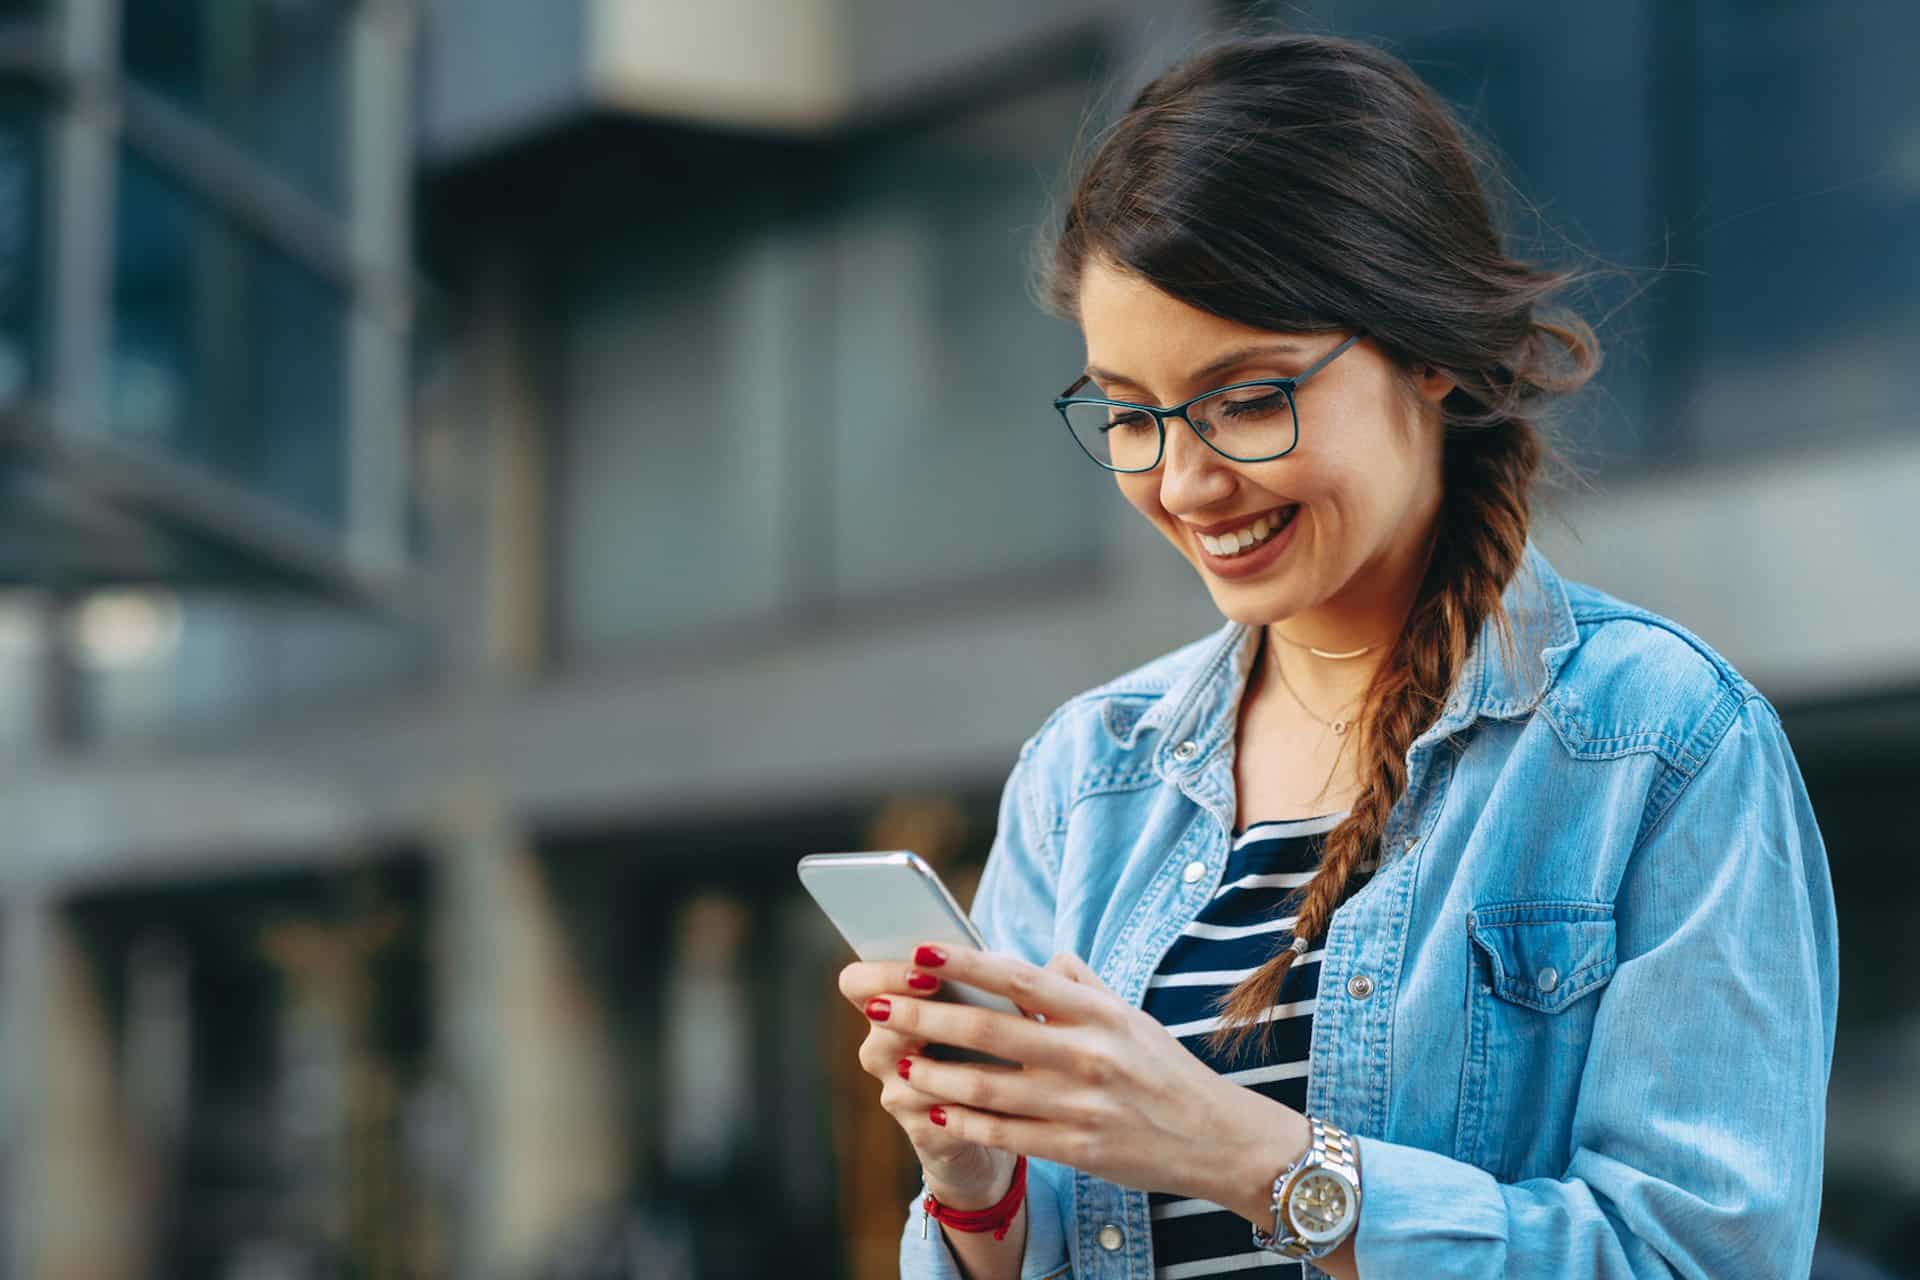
x=884 y=903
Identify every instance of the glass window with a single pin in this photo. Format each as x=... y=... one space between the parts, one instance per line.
x=20 y=193
x=1809 y=222
x=225 y=353
x=1525 y=81
x=768 y=401
x=270 y=1036
x=269 y=74
x=948 y=461
x=670 y=479
x=1763 y=153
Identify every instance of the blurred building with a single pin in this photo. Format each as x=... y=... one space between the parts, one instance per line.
x=488 y=485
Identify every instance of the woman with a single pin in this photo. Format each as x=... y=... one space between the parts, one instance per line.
x=1434 y=916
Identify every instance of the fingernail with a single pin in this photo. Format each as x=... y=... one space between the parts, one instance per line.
x=929 y=955
x=878 y=1008
x=922 y=981
x=905 y=1065
x=937 y=1114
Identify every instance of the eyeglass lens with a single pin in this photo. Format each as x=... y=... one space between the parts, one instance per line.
x=1246 y=424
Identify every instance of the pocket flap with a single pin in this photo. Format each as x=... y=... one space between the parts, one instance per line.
x=1545 y=954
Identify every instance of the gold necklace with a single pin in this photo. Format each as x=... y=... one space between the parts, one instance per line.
x=1322 y=653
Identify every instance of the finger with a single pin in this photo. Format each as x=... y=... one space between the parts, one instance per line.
x=913 y=1111
x=910 y=1109
x=1030 y=987
x=864 y=979
x=1038 y=1139
x=901 y=1095
x=982 y=1086
x=1001 y=1035
x=882 y=1049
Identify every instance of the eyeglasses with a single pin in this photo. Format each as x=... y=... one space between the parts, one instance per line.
x=1231 y=420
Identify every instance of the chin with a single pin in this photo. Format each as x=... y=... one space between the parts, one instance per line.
x=1253 y=608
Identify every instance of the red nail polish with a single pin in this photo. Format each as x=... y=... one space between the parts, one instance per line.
x=922 y=981
x=905 y=1065
x=929 y=955
x=937 y=1114
x=878 y=1008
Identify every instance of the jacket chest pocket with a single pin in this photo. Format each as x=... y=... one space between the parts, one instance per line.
x=1535 y=973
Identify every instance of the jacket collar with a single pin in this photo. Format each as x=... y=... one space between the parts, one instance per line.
x=1199 y=707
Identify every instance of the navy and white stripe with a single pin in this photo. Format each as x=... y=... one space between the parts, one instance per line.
x=1239 y=928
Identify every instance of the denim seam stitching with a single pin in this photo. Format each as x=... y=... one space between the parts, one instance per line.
x=1110 y=780
x=1502 y=911
x=1704 y=743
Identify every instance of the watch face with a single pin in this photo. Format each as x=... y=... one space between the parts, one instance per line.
x=1320 y=1204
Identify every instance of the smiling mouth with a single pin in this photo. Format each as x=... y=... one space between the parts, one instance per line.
x=1248 y=536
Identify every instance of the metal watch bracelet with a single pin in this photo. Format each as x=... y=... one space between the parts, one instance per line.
x=1332 y=1149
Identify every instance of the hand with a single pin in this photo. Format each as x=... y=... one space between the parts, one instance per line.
x=1104 y=1088
x=962 y=1173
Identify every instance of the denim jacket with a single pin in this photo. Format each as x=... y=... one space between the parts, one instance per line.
x=1580 y=1020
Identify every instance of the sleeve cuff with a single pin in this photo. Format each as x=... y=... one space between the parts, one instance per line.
x=1417 y=1205
x=1046 y=1253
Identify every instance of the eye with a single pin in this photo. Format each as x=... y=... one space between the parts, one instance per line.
x=1272 y=402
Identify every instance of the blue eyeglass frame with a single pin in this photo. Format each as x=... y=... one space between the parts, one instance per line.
x=1066 y=398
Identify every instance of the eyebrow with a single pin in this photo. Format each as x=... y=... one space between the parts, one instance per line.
x=1231 y=360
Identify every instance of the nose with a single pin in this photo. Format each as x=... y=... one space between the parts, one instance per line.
x=1192 y=476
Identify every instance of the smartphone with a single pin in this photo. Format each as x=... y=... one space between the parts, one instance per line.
x=883 y=904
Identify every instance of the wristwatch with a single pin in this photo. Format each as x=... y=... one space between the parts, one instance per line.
x=1316 y=1199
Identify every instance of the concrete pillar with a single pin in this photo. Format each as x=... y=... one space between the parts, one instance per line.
x=530 y=1043
x=82 y=1186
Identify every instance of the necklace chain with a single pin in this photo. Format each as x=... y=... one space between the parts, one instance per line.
x=1339 y=727
x=1322 y=653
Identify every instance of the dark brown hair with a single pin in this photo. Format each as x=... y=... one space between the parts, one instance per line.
x=1309 y=183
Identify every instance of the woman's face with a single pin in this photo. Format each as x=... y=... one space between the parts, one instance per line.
x=1365 y=475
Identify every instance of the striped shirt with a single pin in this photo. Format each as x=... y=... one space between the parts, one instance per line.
x=1241 y=927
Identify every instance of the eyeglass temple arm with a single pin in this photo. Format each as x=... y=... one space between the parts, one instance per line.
x=1326 y=359
x=1312 y=369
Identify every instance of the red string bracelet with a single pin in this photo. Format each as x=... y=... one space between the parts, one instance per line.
x=995 y=1218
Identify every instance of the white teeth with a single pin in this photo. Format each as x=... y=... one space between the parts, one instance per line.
x=1232 y=544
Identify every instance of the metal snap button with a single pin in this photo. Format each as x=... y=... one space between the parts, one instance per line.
x=1112 y=1237
x=1186 y=750
x=1547 y=979
x=1359 y=986
x=1194 y=871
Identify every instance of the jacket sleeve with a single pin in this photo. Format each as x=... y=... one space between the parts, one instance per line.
x=1699 y=1130
x=1013 y=909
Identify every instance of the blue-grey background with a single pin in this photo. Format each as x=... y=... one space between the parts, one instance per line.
x=486 y=485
